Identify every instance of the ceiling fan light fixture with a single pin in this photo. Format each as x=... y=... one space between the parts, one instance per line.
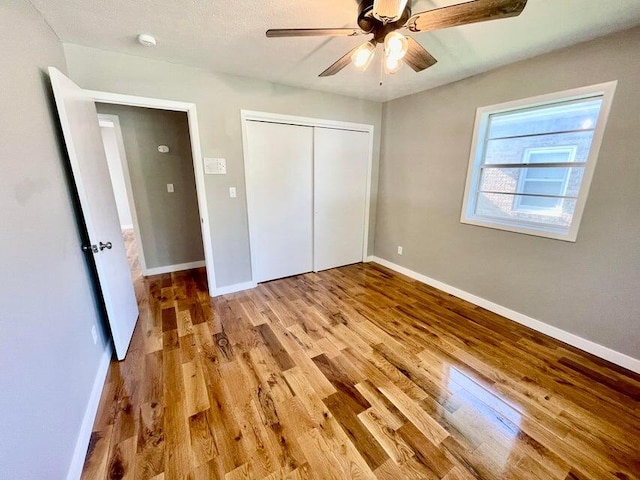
x=381 y=18
x=395 y=45
x=363 y=56
x=392 y=65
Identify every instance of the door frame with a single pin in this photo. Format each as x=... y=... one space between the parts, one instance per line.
x=257 y=116
x=196 y=153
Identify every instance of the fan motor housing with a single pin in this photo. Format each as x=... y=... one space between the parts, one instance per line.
x=368 y=23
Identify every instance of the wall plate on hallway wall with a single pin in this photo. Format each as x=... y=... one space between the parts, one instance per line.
x=215 y=166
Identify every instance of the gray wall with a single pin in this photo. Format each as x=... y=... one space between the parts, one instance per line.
x=591 y=287
x=169 y=222
x=48 y=361
x=116 y=173
x=219 y=99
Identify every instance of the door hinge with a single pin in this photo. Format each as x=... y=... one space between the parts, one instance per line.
x=90 y=248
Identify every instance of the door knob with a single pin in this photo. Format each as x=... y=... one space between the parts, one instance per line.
x=107 y=245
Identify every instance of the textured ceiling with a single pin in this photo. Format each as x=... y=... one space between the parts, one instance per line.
x=228 y=36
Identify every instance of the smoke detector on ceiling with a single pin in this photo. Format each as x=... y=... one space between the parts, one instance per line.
x=146 y=40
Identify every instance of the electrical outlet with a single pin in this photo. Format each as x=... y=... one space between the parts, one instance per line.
x=232 y=192
x=399 y=250
x=94 y=334
x=170 y=188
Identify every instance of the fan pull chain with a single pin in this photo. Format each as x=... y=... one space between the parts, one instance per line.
x=381 y=69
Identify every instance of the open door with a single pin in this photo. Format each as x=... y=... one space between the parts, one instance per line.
x=79 y=121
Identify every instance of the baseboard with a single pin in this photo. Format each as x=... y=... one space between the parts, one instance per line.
x=126 y=227
x=572 y=339
x=238 y=287
x=172 y=268
x=82 y=444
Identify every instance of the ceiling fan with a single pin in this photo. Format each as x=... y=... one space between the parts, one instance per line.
x=383 y=19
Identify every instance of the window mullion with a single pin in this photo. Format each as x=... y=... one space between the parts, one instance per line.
x=543 y=134
x=539 y=195
x=534 y=165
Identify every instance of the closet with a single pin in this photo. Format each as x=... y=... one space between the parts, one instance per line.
x=306 y=196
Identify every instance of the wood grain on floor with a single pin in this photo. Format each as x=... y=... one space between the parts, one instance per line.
x=354 y=373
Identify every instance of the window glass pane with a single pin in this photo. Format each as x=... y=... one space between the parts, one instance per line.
x=513 y=150
x=552 y=156
x=521 y=210
x=546 y=173
x=543 y=188
x=544 y=203
x=561 y=117
x=519 y=180
x=574 y=181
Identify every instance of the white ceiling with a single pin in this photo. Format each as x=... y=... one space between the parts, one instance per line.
x=229 y=36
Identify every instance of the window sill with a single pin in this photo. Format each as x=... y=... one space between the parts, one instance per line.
x=541 y=231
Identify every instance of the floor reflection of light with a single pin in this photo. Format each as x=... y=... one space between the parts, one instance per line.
x=488 y=421
x=494 y=410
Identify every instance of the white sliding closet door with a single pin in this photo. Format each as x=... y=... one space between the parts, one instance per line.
x=279 y=177
x=341 y=159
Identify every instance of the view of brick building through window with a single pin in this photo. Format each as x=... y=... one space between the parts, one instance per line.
x=551 y=135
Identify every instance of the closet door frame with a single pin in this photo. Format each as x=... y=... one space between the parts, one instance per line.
x=250 y=115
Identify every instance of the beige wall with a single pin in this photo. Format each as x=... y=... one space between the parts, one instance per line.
x=48 y=361
x=219 y=99
x=169 y=222
x=591 y=287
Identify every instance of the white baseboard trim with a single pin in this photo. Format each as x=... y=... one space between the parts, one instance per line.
x=84 y=437
x=172 y=268
x=237 y=287
x=126 y=227
x=601 y=351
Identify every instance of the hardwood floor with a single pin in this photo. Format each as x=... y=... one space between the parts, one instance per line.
x=354 y=373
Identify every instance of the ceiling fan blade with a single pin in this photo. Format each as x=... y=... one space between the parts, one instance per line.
x=313 y=32
x=388 y=10
x=417 y=57
x=339 y=65
x=465 y=13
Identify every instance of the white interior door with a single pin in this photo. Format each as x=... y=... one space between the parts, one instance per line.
x=79 y=121
x=279 y=176
x=341 y=161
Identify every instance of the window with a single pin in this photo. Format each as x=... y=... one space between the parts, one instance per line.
x=532 y=161
x=535 y=182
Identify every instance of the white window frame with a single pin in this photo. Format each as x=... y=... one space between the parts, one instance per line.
x=523 y=178
x=468 y=216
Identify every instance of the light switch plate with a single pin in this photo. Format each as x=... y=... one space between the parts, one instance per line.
x=215 y=166
x=170 y=187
